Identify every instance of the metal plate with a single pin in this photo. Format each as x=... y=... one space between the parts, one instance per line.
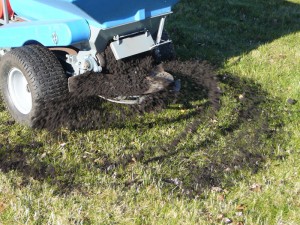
x=132 y=45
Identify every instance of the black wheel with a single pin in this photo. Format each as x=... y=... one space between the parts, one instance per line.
x=31 y=76
x=165 y=52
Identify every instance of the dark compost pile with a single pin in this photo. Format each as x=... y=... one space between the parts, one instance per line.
x=84 y=110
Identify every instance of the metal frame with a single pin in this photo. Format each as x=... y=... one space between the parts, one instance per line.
x=160 y=29
x=99 y=39
x=5 y=13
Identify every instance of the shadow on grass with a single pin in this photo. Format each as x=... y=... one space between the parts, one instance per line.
x=215 y=149
x=218 y=30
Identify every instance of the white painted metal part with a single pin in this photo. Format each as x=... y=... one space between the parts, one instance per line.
x=129 y=46
x=19 y=91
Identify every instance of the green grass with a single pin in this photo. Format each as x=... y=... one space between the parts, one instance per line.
x=241 y=163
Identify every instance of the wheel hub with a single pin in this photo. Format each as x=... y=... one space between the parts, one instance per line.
x=19 y=91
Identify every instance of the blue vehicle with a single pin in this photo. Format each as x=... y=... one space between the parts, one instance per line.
x=32 y=30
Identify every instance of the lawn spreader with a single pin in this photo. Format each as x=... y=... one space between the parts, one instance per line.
x=50 y=48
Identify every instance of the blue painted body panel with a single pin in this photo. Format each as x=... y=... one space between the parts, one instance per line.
x=99 y=13
x=117 y=12
x=48 y=33
x=70 y=19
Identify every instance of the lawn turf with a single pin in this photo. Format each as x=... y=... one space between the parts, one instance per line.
x=239 y=164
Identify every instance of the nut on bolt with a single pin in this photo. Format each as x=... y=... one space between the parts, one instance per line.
x=87 y=65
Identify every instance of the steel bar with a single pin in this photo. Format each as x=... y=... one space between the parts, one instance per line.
x=5 y=12
x=160 y=29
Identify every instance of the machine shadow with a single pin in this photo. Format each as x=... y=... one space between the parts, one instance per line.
x=219 y=30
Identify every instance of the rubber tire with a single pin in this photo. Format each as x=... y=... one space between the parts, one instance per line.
x=46 y=79
x=165 y=52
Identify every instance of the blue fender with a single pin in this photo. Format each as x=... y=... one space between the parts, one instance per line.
x=48 y=33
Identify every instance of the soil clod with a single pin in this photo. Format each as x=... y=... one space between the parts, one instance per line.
x=291 y=101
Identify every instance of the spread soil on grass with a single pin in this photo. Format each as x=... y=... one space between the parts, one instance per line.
x=84 y=110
